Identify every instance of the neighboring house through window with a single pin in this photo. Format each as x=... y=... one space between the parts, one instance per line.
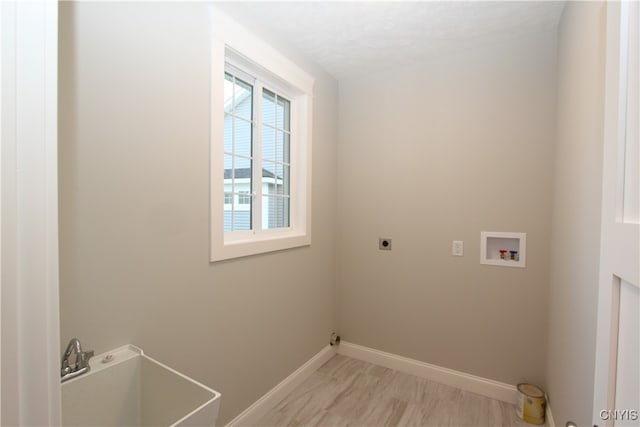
x=241 y=116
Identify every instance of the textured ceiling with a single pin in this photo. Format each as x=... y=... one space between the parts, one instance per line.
x=347 y=38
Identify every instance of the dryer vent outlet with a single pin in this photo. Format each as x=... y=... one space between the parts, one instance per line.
x=384 y=243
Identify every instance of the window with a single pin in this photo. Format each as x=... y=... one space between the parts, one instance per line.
x=244 y=198
x=276 y=134
x=260 y=146
x=273 y=163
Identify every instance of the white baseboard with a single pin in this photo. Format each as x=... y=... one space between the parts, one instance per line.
x=493 y=389
x=257 y=410
x=486 y=387
x=548 y=421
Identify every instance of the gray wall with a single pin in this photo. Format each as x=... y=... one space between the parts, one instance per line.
x=134 y=209
x=573 y=297
x=427 y=155
x=437 y=153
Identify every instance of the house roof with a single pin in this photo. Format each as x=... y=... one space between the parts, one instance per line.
x=246 y=173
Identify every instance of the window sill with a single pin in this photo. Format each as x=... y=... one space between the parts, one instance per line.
x=259 y=245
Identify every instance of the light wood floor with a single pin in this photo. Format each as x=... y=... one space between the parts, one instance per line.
x=350 y=392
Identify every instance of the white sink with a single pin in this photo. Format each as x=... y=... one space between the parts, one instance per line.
x=127 y=388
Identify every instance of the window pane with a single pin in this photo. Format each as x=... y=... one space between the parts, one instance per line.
x=228 y=220
x=286 y=179
x=237 y=193
x=279 y=178
x=242 y=208
x=244 y=186
x=268 y=143
x=242 y=137
x=268 y=186
x=277 y=209
x=287 y=148
x=283 y=113
x=228 y=133
x=238 y=142
x=268 y=180
x=282 y=180
x=242 y=220
x=268 y=107
x=268 y=171
x=244 y=198
x=228 y=171
x=242 y=166
x=268 y=208
x=285 y=212
x=238 y=97
x=279 y=145
x=239 y=157
x=243 y=99
x=228 y=92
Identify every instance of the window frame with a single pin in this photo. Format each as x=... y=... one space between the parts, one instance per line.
x=233 y=45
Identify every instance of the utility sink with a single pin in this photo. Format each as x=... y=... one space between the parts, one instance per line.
x=127 y=388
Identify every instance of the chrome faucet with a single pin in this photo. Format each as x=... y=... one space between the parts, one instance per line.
x=81 y=363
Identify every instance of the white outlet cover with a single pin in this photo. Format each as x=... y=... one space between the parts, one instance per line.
x=457 y=248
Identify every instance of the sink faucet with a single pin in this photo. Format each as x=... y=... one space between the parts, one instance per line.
x=81 y=364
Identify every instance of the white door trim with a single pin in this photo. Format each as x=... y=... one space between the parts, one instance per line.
x=619 y=247
x=29 y=303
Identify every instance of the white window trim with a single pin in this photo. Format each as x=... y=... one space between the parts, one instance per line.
x=233 y=43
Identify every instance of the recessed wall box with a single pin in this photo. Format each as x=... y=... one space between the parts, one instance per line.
x=503 y=249
x=384 y=244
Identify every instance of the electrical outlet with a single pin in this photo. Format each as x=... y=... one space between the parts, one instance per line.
x=457 y=248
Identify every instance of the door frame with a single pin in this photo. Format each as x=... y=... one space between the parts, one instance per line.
x=29 y=297
x=619 y=253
